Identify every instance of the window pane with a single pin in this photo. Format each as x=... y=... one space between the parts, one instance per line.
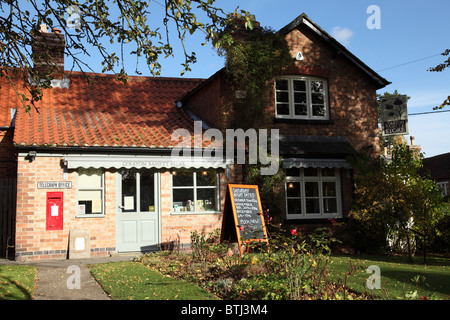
x=312 y=189
x=89 y=178
x=281 y=85
x=282 y=109
x=329 y=205
x=206 y=199
x=311 y=172
x=329 y=189
x=90 y=202
x=301 y=110
x=129 y=191
x=312 y=206
x=147 y=189
x=293 y=189
x=294 y=206
x=300 y=97
x=282 y=96
x=319 y=110
x=183 y=178
x=328 y=172
x=183 y=200
x=293 y=172
x=206 y=178
x=316 y=86
x=299 y=85
x=317 y=98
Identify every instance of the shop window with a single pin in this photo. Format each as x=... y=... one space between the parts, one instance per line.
x=312 y=193
x=195 y=191
x=90 y=192
x=301 y=98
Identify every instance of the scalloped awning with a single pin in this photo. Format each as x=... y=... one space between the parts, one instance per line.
x=140 y=162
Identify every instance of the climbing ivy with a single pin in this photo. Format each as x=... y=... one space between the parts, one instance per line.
x=251 y=65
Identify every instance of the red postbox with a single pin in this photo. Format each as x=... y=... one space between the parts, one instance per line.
x=55 y=210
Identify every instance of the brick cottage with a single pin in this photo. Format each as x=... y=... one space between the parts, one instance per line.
x=95 y=159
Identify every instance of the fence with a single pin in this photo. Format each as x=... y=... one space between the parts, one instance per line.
x=8 y=194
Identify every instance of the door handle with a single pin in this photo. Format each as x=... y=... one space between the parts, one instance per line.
x=121 y=207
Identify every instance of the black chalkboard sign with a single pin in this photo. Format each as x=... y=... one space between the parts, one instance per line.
x=243 y=220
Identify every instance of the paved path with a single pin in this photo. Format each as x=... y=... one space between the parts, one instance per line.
x=68 y=279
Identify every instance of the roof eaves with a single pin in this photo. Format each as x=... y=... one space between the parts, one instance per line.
x=305 y=20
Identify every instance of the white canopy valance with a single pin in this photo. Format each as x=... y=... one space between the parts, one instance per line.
x=138 y=162
x=314 y=163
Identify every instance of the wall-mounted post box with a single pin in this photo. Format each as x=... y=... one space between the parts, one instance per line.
x=55 y=210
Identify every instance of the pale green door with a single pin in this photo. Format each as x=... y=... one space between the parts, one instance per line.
x=138 y=225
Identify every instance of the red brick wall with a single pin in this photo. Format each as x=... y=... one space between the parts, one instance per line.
x=208 y=101
x=351 y=94
x=33 y=241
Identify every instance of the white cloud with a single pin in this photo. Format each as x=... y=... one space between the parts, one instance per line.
x=342 y=35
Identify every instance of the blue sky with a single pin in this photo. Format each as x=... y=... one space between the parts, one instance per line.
x=410 y=30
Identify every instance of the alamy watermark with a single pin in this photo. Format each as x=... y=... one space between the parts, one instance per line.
x=374 y=281
x=256 y=148
x=73 y=281
x=374 y=20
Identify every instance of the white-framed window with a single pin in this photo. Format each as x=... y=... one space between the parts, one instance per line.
x=90 y=192
x=298 y=97
x=313 y=193
x=195 y=191
x=444 y=187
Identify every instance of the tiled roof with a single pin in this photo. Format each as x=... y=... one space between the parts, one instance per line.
x=5 y=117
x=141 y=113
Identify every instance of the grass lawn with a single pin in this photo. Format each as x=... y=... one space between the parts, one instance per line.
x=399 y=279
x=17 y=282
x=134 y=281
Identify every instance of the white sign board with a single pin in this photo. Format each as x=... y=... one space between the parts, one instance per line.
x=394 y=116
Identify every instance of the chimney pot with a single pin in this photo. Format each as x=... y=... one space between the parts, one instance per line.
x=413 y=140
x=43 y=28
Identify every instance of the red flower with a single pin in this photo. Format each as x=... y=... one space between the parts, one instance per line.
x=293 y=232
x=241 y=228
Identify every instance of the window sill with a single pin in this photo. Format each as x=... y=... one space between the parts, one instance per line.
x=313 y=219
x=90 y=216
x=302 y=121
x=184 y=213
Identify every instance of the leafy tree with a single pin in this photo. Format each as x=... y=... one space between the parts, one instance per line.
x=439 y=68
x=87 y=25
x=395 y=197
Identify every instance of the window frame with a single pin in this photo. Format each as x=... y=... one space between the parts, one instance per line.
x=102 y=189
x=444 y=186
x=195 y=187
x=309 y=104
x=320 y=179
x=139 y=194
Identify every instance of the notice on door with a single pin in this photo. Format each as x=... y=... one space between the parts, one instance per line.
x=128 y=203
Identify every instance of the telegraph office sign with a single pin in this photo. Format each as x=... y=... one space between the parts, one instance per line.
x=394 y=116
x=54 y=184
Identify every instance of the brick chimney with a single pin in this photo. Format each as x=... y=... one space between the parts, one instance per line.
x=48 y=52
x=239 y=31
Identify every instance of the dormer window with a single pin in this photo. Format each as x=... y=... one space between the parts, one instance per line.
x=298 y=97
